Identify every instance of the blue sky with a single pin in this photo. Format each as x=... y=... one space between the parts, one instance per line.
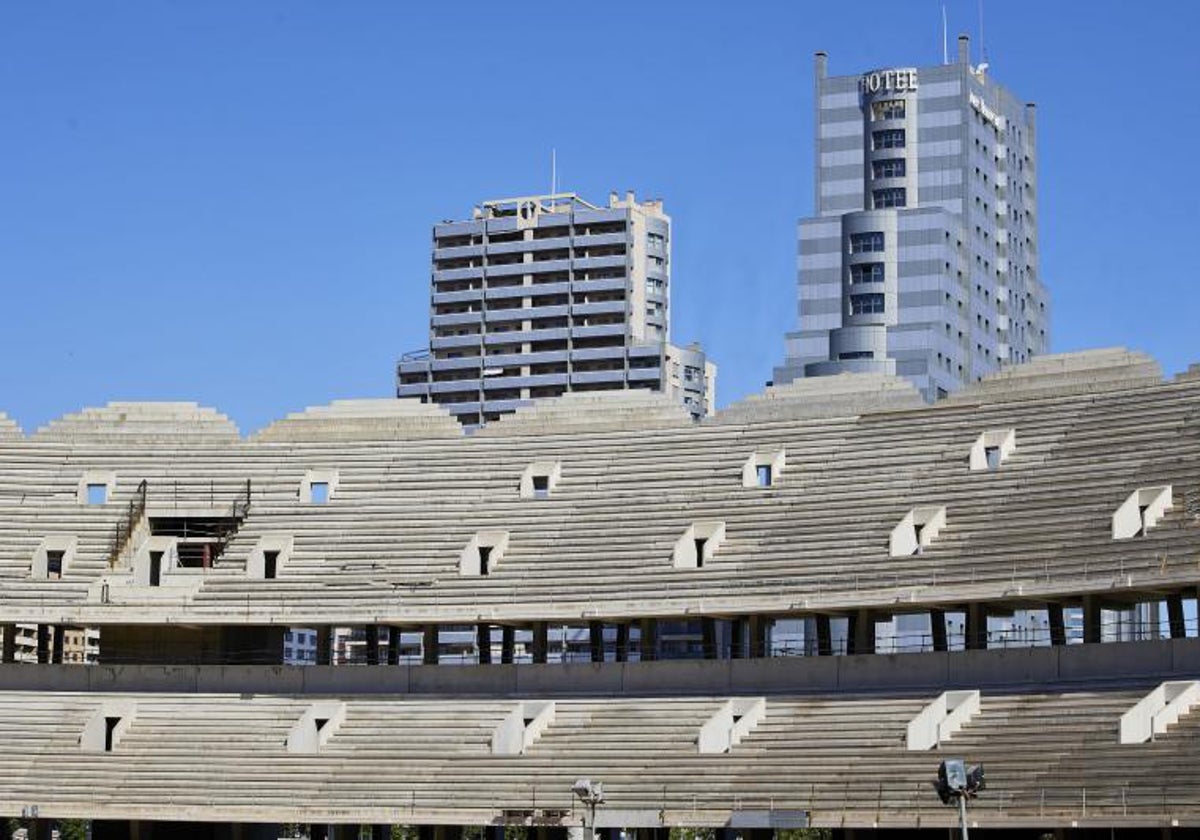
x=231 y=202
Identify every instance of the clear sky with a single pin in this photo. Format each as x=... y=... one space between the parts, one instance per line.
x=231 y=202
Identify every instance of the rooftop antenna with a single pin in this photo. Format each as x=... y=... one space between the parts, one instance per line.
x=982 y=44
x=553 y=171
x=945 y=49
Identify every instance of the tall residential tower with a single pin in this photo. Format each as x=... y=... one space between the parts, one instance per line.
x=537 y=296
x=922 y=257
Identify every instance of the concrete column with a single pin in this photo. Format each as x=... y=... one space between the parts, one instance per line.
x=737 y=638
x=1091 y=619
x=937 y=628
x=393 y=648
x=623 y=642
x=541 y=642
x=56 y=648
x=483 y=642
x=8 y=653
x=976 y=627
x=372 y=635
x=1175 y=616
x=1058 y=627
x=759 y=626
x=43 y=644
x=862 y=632
x=649 y=641
x=596 y=640
x=429 y=645
x=708 y=638
x=508 y=644
x=324 y=646
x=824 y=636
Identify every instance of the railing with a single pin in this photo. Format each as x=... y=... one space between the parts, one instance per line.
x=125 y=528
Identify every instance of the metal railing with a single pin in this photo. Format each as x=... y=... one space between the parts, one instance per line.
x=123 y=530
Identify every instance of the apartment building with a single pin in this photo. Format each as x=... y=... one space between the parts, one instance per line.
x=536 y=296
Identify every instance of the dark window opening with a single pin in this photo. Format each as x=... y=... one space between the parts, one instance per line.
x=319 y=492
x=700 y=543
x=110 y=728
x=319 y=723
x=270 y=564
x=1142 y=519
x=541 y=486
x=764 y=475
x=155 y=567
x=485 y=553
x=528 y=721
x=54 y=564
x=991 y=454
x=97 y=494
x=917 y=529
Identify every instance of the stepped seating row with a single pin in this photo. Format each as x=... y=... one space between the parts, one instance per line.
x=842 y=758
x=389 y=540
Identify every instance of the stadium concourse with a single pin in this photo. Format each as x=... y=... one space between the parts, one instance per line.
x=783 y=616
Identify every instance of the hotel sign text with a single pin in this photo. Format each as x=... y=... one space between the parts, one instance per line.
x=889 y=80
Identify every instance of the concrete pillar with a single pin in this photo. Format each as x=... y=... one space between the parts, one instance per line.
x=43 y=644
x=1091 y=619
x=596 y=640
x=8 y=653
x=372 y=635
x=56 y=647
x=483 y=642
x=937 y=628
x=429 y=645
x=508 y=644
x=708 y=635
x=862 y=632
x=324 y=645
x=759 y=627
x=393 y=648
x=824 y=636
x=541 y=642
x=623 y=642
x=1058 y=627
x=737 y=638
x=976 y=627
x=649 y=641
x=1175 y=616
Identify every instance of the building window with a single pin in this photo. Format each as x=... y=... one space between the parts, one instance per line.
x=764 y=475
x=890 y=168
x=97 y=494
x=319 y=492
x=889 y=138
x=866 y=273
x=866 y=304
x=889 y=197
x=54 y=564
x=887 y=109
x=851 y=355
x=864 y=243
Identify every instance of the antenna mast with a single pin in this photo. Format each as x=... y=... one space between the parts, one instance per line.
x=945 y=49
x=982 y=43
x=553 y=171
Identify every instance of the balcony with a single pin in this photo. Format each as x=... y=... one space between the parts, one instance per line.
x=457 y=253
x=608 y=307
x=455 y=341
x=453 y=318
x=458 y=274
x=596 y=376
x=596 y=240
x=463 y=296
x=608 y=284
x=616 y=261
x=598 y=331
x=593 y=353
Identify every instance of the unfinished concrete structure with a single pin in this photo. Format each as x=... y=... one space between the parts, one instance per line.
x=543 y=295
x=704 y=616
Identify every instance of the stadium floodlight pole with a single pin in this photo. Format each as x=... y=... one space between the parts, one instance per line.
x=957 y=781
x=590 y=794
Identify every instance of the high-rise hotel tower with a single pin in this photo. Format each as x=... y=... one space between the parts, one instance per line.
x=922 y=258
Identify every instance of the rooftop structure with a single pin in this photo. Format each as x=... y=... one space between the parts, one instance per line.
x=841 y=564
x=922 y=257
x=539 y=296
